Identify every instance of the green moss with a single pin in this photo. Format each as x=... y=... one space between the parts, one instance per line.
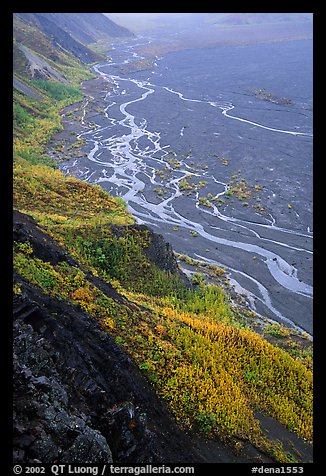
x=59 y=91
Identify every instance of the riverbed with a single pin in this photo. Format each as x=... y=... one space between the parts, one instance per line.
x=212 y=148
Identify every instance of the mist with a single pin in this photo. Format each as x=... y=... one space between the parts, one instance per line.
x=215 y=28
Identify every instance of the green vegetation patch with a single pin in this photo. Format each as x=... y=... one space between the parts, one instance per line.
x=59 y=91
x=212 y=372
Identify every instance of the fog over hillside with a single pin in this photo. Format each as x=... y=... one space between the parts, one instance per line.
x=174 y=31
x=168 y=22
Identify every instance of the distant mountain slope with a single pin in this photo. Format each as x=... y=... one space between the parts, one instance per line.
x=71 y=32
x=89 y=27
x=256 y=18
x=85 y=28
x=60 y=38
x=45 y=44
x=167 y=22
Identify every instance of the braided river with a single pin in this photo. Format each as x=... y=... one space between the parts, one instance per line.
x=181 y=141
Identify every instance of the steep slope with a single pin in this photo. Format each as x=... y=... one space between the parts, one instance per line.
x=90 y=27
x=85 y=28
x=27 y=27
x=77 y=396
x=37 y=56
x=183 y=339
x=45 y=41
x=98 y=295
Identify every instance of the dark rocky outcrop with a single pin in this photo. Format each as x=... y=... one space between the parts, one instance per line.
x=158 y=251
x=25 y=229
x=161 y=253
x=77 y=396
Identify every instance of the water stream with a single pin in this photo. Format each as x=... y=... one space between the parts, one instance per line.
x=128 y=157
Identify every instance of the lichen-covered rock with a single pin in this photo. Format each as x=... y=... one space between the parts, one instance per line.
x=77 y=396
x=46 y=427
x=89 y=447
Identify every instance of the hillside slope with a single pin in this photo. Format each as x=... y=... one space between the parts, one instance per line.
x=44 y=42
x=85 y=28
x=77 y=396
x=115 y=350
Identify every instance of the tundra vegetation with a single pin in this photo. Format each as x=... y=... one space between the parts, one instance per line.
x=216 y=373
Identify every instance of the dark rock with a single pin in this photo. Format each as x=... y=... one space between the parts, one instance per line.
x=89 y=447
x=77 y=397
x=45 y=424
x=70 y=378
x=45 y=248
x=161 y=253
x=127 y=428
x=68 y=408
x=158 y=250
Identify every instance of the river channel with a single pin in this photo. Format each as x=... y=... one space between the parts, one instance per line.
x=213 y=149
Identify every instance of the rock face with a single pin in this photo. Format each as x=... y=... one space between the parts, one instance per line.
x=158 y=250
x=161 y=253
x=77 y=396
x=47 y=426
